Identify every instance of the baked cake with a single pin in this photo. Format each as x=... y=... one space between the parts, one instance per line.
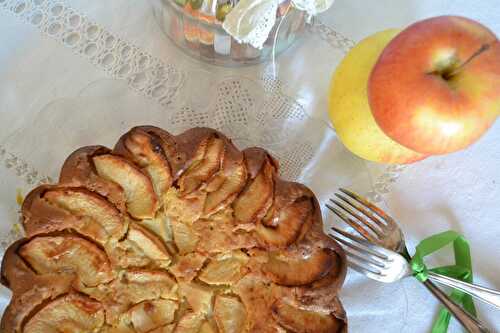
x=165 y=233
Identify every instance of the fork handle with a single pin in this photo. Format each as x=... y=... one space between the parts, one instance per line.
x=486 y=295
x=469 y=322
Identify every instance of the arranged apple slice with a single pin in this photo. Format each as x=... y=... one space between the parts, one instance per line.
x=255 y=200
x=52 y=208
x=225 y=186
x=132 y=287
x=71 y=313
x=217 y=180
x=161 y=226
x=68 y=253
x=300 y=321
x=321 y=295
x=92 y=210
x=150 y=315
x=187 y=266
x=79 y=171
x=184 y=237
x=201 y=170
x=208 y=327
x=185 y=209
x=189 y=323
x=230 y=314
x=190 y=167
x=121 y=327
x=198 y=297
x=234 y=181
x=164 y=329
x=258 y=296
x=225 y=268
x=141 y=248
x=149 y=243
x=142 y=202
x=146 y=151
x=289 y=222
x=138 y=285
x=29 y=290
x=172 y=147
x=299 y=267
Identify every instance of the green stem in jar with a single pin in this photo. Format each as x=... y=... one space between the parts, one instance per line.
x=196 y=4
x=222 y=11
x=181 y=3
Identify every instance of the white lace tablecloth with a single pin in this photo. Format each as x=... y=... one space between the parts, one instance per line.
x=82 y=72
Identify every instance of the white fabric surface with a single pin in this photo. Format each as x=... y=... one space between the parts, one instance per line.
x=45 y=84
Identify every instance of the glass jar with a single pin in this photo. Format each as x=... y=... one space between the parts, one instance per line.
x=201 y=35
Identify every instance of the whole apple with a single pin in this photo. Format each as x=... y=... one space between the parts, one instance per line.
x=436 y=86
x=349 y=109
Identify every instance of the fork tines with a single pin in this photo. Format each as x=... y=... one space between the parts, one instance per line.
x=364 y=257
x=363 y=216
x=372 y=260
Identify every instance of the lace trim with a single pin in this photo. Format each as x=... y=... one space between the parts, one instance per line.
x=22 y=169
x=333 y=38
x=117 y=58
x=239 y=111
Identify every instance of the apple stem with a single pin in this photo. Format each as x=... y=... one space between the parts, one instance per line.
x=483 y=48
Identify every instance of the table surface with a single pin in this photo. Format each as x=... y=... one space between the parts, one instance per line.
x=459 y=191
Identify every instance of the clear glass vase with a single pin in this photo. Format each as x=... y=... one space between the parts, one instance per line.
x=202 y=36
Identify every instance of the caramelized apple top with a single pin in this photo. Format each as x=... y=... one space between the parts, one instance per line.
x=173 y=234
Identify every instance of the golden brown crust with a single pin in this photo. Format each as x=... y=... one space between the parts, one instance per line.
x=240 y=250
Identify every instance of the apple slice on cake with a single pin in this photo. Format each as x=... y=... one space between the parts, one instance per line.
x=141 y=199
x=53 y=208
x=205 y=164
x=199 y=297
x=225 y=268
x=300 y=321
x=146 y=150
x=71 y=313
x=289 y=223
x=79 y=171
x=47 y=254
x=253 y=203
x=299 y=267
x=230 y=314
x=152 y=314
x=225 y=186
x=140 y=248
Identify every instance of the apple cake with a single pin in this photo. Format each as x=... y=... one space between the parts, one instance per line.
x=166 y=233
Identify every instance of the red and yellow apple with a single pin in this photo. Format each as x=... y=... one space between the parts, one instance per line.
x=435 y=88
x=349 y=108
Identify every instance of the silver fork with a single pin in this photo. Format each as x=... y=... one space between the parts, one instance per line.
x=381 y=264
x=378 y=228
